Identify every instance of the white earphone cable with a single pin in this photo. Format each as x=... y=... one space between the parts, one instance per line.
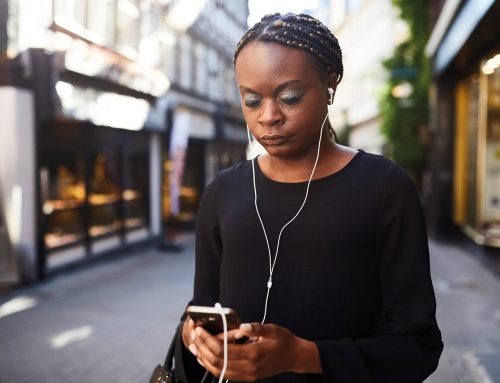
x=272 y=263
x=224 y=325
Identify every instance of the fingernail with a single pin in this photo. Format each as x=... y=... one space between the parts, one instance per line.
x=193 y=335
x=200 y=362
x=197 y=330
x=193 y=349
x=238 y=335
x=245 y=327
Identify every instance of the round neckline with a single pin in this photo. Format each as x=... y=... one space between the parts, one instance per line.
x=342 y=170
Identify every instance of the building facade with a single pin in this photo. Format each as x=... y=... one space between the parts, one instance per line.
x=464 y=161
x=202 y=104
x=117 y=113
x=368 y=31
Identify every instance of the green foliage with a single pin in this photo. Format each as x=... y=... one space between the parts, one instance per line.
x=404 y=119
x=343 y=136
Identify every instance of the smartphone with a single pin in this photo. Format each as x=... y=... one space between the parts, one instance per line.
x=210 y=319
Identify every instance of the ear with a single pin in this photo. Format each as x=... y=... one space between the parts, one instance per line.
x=332 y=81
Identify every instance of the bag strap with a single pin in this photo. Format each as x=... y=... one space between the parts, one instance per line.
x=169 y=359
x=175 y=353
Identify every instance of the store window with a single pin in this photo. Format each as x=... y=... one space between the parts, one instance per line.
x=94 y=189
x=491 y=71
x=471 y=119
x=104 y=195
x=136 y=186
x=477 y=154
x=63 y=192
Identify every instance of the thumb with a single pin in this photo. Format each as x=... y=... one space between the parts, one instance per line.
x=254 y=330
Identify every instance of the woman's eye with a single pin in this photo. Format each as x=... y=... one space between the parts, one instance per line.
x=290 y=99
x=252 y=101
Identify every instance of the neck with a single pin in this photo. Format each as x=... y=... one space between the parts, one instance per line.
x=298 y=169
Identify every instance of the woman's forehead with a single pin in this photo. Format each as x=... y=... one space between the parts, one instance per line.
x=263 y=61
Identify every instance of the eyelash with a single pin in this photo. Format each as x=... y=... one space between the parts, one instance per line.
x=254 y=102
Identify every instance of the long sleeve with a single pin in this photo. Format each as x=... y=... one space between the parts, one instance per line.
x=208 y=257
x=407 y=343
x=208 y=249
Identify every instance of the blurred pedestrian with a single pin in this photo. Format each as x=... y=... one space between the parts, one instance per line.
x=320 y=248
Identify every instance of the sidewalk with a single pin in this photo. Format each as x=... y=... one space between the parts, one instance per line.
x=468 y=312
x=112 y=321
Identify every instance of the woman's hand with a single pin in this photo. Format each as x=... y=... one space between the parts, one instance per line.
x=271 y=350
x=189 y=327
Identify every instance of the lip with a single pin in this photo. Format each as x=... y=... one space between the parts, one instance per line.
x=274 y=139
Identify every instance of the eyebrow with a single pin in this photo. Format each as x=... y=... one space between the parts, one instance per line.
x=276 y=90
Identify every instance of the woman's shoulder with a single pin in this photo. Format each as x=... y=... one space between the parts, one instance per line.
x=376 y=163
x=232 y=175
x=391 y=177
x=379 y=166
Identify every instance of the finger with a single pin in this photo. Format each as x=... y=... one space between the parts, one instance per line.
x=237 y=370
x=209 y=346
x=212 y=348
x=230 y=335
x=257 y=330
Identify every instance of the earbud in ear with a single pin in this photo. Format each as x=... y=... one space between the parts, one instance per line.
x=330 y=98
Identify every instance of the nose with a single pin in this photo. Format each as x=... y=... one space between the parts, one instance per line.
x=270 y=113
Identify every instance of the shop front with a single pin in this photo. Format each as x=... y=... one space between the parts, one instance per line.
x=98 y=163
x=477 y=153
x=200 y=144
x=94 y=184
x=464 y=164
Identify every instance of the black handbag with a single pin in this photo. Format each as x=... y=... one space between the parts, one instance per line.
x=170 y=373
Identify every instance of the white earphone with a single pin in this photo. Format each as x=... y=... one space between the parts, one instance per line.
x=331 y=92
x=272 y=263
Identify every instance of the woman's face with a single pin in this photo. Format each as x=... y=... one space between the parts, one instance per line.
x=284 y=99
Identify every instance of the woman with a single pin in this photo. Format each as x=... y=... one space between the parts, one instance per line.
x=337 y=267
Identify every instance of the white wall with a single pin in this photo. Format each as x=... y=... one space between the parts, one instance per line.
x=17 y=175
x=367 y=37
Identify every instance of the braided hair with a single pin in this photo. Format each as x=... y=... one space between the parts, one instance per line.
x=302 y=32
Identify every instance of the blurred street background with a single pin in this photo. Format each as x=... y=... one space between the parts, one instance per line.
x=115 y=114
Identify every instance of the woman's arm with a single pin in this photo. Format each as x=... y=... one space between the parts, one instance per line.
x=206 y=281
x=407 y=343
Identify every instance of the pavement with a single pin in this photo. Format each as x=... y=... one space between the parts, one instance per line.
x=111 y=321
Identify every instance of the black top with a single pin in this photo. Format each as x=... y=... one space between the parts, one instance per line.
x=352 y=272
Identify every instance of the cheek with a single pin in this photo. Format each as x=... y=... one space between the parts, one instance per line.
x=251 y=118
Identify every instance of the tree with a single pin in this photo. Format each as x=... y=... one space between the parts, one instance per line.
x=405 y=113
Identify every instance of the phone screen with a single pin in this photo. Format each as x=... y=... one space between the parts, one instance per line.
x=210 y=319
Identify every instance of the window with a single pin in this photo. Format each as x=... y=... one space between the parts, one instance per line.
x=201 y=68
x=128 y=27
x=185 y=61
x=63 y=192
x=101 y=20
x=71 y=10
